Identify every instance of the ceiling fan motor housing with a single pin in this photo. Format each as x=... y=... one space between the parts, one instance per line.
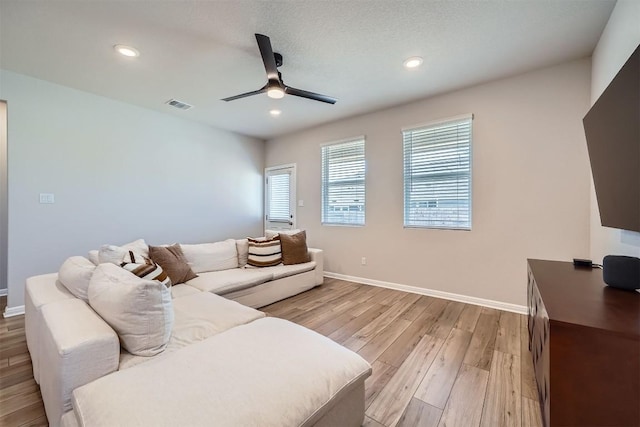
x=278 y=58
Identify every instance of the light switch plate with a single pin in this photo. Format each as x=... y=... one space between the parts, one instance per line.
x=301 y=203
x=47 y=198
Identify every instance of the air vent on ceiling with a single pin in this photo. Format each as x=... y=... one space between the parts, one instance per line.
x=178 y=104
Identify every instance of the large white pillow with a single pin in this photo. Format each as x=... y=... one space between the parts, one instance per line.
x=139 y=310
x=211 y=256
x=75 y=274
x=115 y=254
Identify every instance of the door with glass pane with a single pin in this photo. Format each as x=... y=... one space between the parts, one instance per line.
x=280 y=197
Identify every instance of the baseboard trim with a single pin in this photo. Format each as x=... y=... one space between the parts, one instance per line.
x=13 y=311
x=498 y=305
x=4 y=292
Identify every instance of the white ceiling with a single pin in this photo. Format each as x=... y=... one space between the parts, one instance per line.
x=201 y=51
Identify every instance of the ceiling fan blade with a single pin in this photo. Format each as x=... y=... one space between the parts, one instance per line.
x=268 y=58
x=244 y=95
x=310 y=95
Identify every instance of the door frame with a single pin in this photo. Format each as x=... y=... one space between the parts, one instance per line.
x=292 y=192
x=4 y=198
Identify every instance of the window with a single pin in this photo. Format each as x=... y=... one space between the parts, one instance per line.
x=343 y=183
x=437 y=174
x=280 y=197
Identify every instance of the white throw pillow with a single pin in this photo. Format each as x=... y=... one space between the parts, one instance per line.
x=115 y=254
x=242 y=246
x=111 y=254
x=211 y=256
x=139 y=310
x=93 y=256
x=75 y=274
x=270 y=234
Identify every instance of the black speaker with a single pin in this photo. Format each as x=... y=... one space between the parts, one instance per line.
x=621 y=271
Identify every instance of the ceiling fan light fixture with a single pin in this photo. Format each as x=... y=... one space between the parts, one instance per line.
x=413 y=62
x=129 y=51
x=275 y=93
x=275 y=113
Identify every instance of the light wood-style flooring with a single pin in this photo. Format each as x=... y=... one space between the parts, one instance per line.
x=435 y=362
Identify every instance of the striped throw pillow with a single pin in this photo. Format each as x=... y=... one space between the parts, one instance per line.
x=264 y=252
x=144 y=268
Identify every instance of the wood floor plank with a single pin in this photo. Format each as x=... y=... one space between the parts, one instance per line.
x=389 y=406
x=508 y=336
x=482 y=343
x=344 y=333
x=420 y=414
x=334 y=324
x=531 y=416
x=378 y=344
x=464 y=407
x=381 y=374
x=26 y=415
x=529 y=388
x=384 y=320
x=468 y=318
x=503 y=403
x=398 y=351
x=417 y=308
x=437 y=383
x=441 y=328
x=368 y=422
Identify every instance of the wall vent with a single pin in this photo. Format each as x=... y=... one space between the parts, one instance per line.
x=179 y=104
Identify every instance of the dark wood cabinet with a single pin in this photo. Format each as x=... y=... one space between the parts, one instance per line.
x=585 y=341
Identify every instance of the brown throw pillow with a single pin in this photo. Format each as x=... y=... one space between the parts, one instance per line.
x=172 y=261
x=294 y=248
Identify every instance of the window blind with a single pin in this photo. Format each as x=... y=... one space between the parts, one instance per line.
x=279 y=197
x=343 y=183
x=437 y=175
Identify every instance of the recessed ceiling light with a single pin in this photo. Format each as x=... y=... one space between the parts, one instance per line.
x=413 y=62
x=129 y=51
x=275 y=113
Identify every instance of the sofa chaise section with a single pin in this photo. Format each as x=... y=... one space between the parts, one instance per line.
x=269 y=372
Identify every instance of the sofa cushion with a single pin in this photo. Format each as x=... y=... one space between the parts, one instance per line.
x=198 y=317
x=221 y=282
x=211 y=256
x=182 y=290
x=75 y=274
x=267 y=373
x=144 y=268
x=264 y=253
x=294 y=248
x=139 y=310
x=173 y=262
x=280 y=271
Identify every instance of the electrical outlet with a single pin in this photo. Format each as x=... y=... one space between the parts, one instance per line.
x=363 y=261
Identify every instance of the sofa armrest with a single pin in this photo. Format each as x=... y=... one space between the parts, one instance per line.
x=317 y=255
x=77 y=347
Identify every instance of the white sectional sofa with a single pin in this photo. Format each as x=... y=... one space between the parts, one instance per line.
x=223 y=361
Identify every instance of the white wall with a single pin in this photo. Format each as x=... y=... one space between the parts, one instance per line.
x=619 y=39
x=118 y=173
x=530 y=187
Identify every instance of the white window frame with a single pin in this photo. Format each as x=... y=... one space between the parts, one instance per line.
x=425 y=126
x=323 y=205
x=292 y=195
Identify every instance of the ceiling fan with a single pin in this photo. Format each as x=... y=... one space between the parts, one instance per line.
x=275 y=87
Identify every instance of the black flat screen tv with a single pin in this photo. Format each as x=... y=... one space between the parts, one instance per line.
x=612 y=129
